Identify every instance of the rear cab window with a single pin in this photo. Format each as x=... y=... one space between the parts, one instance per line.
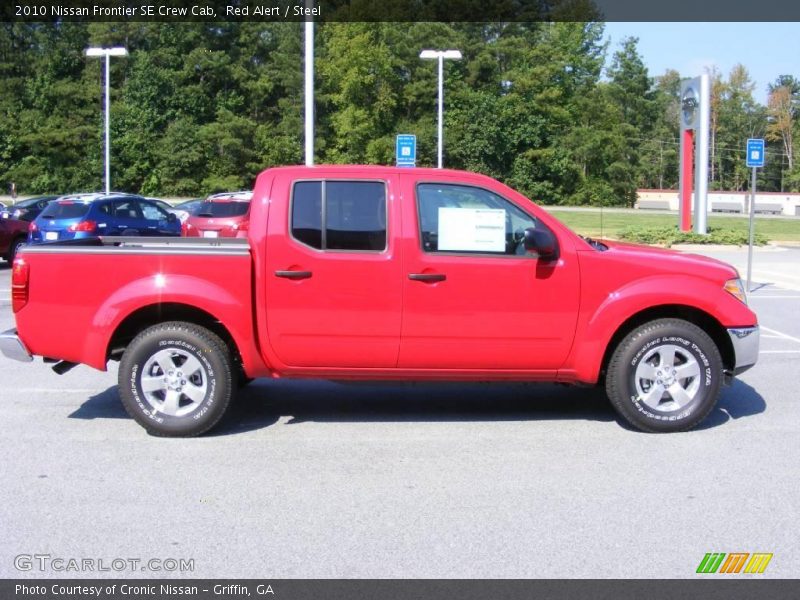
x=65 y=209
x=342 y=215
x=222 y=209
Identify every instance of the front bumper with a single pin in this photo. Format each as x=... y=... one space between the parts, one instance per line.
x=12 y=346
x=745 y=342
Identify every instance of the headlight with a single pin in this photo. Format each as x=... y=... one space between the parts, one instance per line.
x=736 y=288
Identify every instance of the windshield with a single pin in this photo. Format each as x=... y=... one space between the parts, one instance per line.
x=222 y=208
x=65 y=210
x=32 y=202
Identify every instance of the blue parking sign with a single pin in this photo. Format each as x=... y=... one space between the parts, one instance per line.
x=406 y=150
x=755 y=153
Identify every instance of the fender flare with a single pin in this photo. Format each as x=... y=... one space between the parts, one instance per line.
x=190 y=291
x=669 y=292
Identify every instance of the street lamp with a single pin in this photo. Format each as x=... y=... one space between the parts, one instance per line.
x=309 y=91
x=440 y=55
x=108 y=53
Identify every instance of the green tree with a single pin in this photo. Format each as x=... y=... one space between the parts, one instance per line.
x=740 y=117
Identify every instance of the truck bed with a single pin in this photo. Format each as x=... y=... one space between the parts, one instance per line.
x=81 y=291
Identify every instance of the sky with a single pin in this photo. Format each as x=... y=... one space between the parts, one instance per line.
x=767 y=50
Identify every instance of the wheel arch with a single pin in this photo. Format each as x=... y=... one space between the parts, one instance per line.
x=153 y=314
x=715 y=330
x=20 y=237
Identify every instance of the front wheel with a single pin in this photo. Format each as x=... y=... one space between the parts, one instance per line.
x=175 y=379
x=665 y=376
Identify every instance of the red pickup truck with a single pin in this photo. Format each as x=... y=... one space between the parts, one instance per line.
x=353 y=272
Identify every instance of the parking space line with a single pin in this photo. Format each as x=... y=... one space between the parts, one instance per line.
x=775 y=283
x=755 y=297
x=771 y=288
x=54 y=390
x=781 y=335
x=775 y=274
x=779 y=352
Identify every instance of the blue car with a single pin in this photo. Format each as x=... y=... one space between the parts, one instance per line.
x=93 y=215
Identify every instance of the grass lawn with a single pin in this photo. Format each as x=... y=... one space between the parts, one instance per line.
x=588 y=223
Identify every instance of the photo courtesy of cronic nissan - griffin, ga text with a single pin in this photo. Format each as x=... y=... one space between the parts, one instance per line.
x=384 y=273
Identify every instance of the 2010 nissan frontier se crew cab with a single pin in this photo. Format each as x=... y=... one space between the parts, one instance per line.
x=365 y=273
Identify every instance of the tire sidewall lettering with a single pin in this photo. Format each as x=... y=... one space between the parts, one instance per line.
x=689 y=346
x=200 y=354
x=188 y=339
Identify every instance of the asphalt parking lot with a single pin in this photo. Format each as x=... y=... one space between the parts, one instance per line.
x=321 y=479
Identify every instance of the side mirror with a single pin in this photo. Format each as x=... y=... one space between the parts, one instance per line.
x=171 y=217
x=542 y=241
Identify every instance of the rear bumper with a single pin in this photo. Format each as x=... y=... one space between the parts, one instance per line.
x=12 y=347
x=745 y=342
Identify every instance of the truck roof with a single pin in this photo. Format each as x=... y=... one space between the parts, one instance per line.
x=378 y=170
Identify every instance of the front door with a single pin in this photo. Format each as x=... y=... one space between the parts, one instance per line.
x=155 y=220
x=333 y=280
x=473 y=297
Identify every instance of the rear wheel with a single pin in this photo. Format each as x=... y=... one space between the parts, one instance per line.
x=175 y=379
x=665 y=376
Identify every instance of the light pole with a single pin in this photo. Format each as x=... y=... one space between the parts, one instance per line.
x=309 y=92
x=108 y=53
x=440 y=55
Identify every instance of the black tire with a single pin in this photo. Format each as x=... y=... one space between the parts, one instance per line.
x=15 y=247
x=177 y=404
x=666 y=350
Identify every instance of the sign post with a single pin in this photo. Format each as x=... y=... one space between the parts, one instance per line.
x=406 y=150
x=755 y=160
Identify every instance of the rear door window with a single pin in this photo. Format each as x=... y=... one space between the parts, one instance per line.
x=307 y=213
x=126 y=209
x=353 y=212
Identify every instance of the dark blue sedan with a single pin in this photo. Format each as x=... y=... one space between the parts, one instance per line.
x=92 y=215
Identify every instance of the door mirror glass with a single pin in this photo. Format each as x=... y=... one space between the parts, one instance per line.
x=542 y=242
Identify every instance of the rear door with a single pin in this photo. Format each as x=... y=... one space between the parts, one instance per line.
x=333 y=280
x=120 y=217
x=473 y=297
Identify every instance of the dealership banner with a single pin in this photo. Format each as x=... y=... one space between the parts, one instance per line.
x=398 y=10
x=387 y=589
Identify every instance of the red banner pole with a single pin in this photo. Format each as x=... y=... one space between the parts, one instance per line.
x=688 y=183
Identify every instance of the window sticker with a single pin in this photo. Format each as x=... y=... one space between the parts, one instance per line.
x=472 y=229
